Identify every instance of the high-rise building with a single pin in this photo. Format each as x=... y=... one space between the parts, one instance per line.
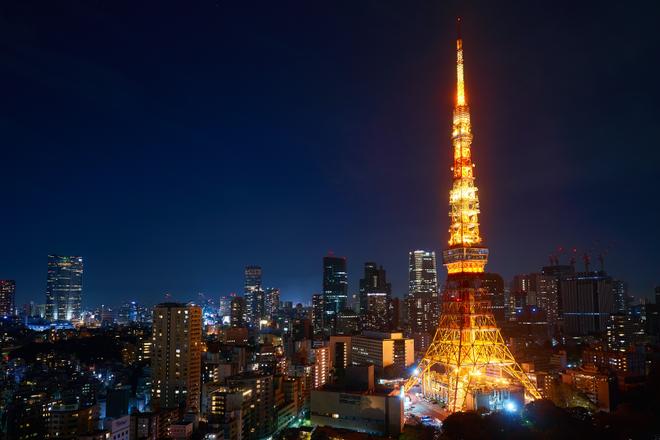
x=322 y=366
x=348 y=322
x=375 y=299
x=263 y=420
x=620 y=333
x=318 y=312
x=72 y=420
x=176 y=359
x=620 y=292
x=254 y=296
x=335 y=291
x=493 y=293
x=423 y=303
x=383 y=350
x=536 y=290
x=230 y=410
x=7 y=297
x=128 y=313
x=588 y=301
x=340 y=351
x=224 y=305
x=64 y=288
x=559 y=272
x=271 y=302
x=237 y=312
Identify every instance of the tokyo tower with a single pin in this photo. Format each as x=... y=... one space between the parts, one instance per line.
x=468 y=362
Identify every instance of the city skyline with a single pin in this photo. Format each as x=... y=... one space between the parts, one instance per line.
x=184 y=165
x=182 y=207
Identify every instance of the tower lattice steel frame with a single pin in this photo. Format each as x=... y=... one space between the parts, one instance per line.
x=468 y=352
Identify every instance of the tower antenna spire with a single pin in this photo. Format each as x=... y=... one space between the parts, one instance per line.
x=460 y=80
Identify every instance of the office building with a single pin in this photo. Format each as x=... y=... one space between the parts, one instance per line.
x=64 y=288
x=254 y=296
x=263 y=419
x=237 y=312
x=620 y=332
x=224 y=305
x=7 y=297
x=492 y=292
x=271 y=303
x=229 y=411
x=335 y=291
x=71 y=421
x=358 y=405
x=383 y=350
x=375 y=299
x=559 y=272
x=176 y=359
x=132 y=312
x=348 y=322
x=340 y=348
x=322 y=366
x=423 y=303
x=600 y=387
x=536 y=290
x=588 y=301
x=318 y=313
x=621 y=299
x=630 y=362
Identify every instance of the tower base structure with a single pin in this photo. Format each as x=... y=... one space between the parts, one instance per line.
x=468 y=366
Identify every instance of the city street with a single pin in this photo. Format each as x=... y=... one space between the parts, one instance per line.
x=419 y=410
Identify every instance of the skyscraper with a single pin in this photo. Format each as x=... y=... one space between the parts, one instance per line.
x=620 y=290
x=318 y=312
x=375 y=299
x=177 y=350
x=493 y=292
x=254 y=295
x=423 y=303
x=535 y=290
x=588 y=300
x=335 y=291
x=559 y=272
x=64 y=288
x=271 y=302
x=7 y=297
x=237 y=312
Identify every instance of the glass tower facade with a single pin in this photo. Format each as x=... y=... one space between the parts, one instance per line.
x=254 y=295
x=335 y=291
x=375 y=299
x=423 y=301
x=64 y=288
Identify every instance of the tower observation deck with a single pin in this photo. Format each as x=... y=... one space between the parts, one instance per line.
x=467 y=361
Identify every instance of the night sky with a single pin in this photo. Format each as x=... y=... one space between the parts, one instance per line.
x=172 y=143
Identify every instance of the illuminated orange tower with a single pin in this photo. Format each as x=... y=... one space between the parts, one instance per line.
x=467 y=358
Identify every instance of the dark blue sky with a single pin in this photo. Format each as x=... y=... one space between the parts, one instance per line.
x=172 y=143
